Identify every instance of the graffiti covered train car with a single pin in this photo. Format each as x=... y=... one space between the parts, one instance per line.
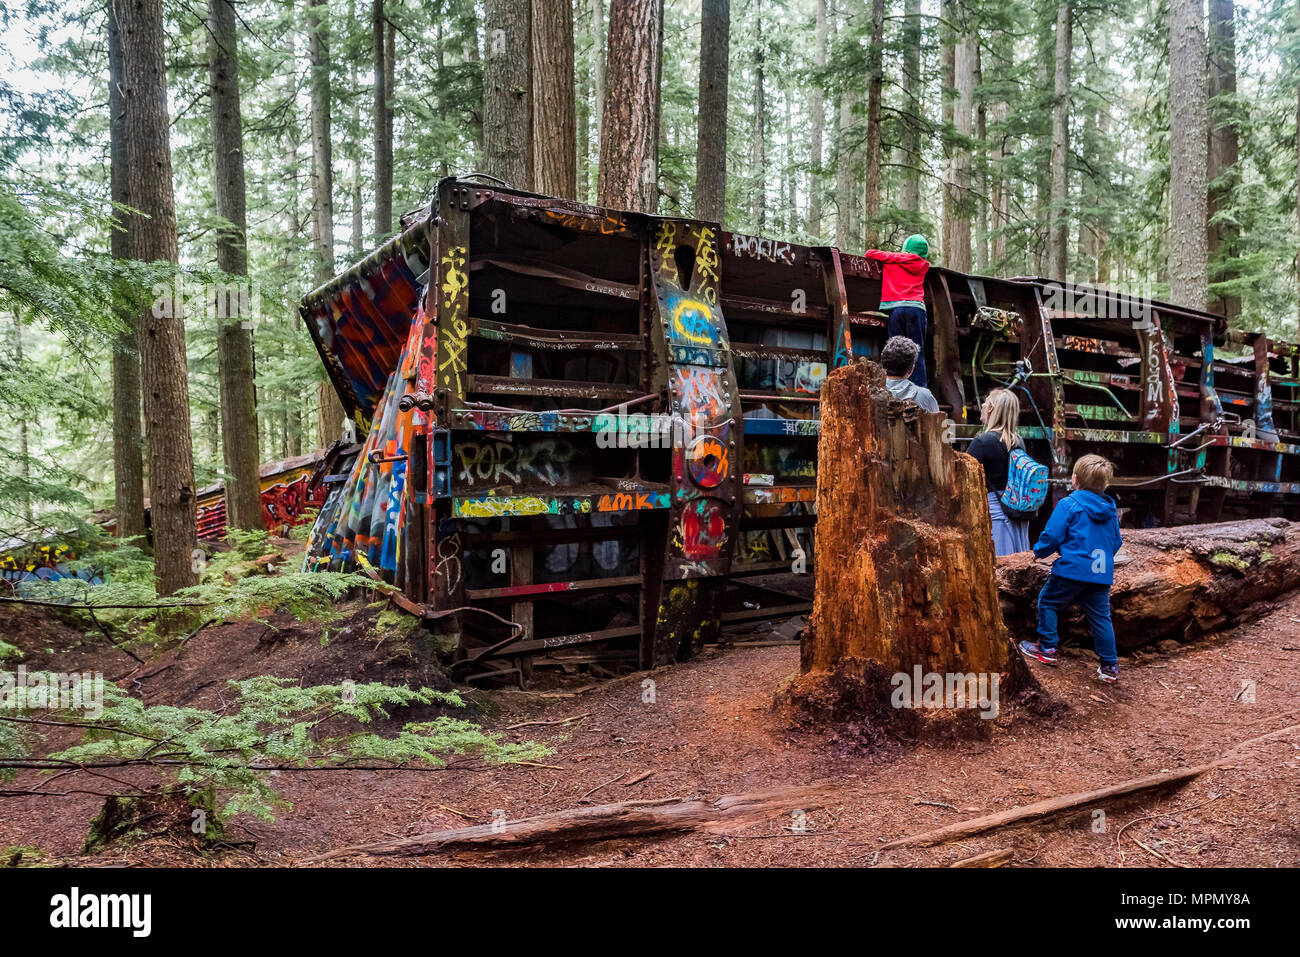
x=589 y=436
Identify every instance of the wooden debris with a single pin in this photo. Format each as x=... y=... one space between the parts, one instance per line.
x=987 y=859
x=1048 y=807
x=602 y=822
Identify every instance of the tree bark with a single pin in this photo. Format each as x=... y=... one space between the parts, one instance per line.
x=958 y=195
x=1188 y=133
x=1181 y=584
x=846 y=227
x=905 y=570
x=1222 y=173
x=358 y=242
x=711 y=148
x=163 y=372
x=1058 y=214
x=383 y=120
x=128 y=433
x=507 y=92
x=554 y=113
x=758 y=130
x=817 y=120
x=24 y=457
x=875 y=87
x=948 y=13
x=330 y=415
x=910 y=121
x=630 y=118
x=234 y=335
x=322 y=160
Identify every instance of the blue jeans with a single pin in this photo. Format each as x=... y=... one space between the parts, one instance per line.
x=911 y=322
x=1059 y=594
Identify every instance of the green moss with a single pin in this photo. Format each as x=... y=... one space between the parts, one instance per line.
x=1229 y=560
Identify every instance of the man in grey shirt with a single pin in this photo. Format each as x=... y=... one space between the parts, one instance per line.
x=899 y=359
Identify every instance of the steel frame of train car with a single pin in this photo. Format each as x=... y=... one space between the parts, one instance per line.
x=590 y=436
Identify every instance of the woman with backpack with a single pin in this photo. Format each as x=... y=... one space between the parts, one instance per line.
x=993 y=449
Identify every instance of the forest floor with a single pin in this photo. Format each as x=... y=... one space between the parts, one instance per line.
x=711 y=730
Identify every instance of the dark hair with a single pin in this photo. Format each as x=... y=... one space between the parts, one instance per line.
x=899 y=355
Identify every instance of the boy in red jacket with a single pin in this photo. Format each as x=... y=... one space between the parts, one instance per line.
x=902 y=295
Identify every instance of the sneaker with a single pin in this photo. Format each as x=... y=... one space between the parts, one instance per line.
x=1034 y=650
x=1108 y=673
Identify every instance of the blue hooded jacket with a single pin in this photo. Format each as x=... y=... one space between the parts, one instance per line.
x=1084 y=528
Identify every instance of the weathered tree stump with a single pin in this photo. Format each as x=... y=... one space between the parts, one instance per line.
x=1180 y=584
x=906 y=574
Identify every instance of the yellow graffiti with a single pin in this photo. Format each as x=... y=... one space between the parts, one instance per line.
x=454 y=285
x=706 y=254
x=454 y=281
x=496 y=508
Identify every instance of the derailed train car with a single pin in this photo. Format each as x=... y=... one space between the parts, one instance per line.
x=589 y=437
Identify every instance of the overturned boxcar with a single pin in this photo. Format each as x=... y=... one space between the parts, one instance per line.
x=588 y=437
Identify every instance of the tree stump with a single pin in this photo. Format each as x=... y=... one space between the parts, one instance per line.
x=1180 y=584
x=906 y=583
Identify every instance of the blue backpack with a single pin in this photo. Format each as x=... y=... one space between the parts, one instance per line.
x=1026 y=487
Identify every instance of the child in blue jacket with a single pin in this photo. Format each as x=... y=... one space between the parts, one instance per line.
x=1084 y=528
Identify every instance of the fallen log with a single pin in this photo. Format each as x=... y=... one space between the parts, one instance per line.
x=1049 y=807
x=602 y=822
x=1180 y=583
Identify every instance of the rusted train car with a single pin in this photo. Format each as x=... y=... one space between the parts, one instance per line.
x=589 y=437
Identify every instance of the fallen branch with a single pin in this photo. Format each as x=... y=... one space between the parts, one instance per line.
x=533 y=724
x=987 y=859
x=1050 y=806
x=602 y=822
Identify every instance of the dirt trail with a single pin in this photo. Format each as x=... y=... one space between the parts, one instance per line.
x=710 y=730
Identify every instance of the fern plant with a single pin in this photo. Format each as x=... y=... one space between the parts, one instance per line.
x=271 y=724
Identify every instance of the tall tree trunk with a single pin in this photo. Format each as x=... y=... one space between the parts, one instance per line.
x=322 y=160
x=599 y=35
x=1059 y=228
x=583 y=111
x=875 y=86
x=1222 y=173
x=846 y=232
x=234 y=335
x=957 y=196
x=330 y=415
x=1001 y=199
x=817 y=118
x=24 y=456
x=981 y=176
x=128 y=437
x=554 y=118
x=162 y=337
x=758 y=134
x=354 y=90
x=1046 y=61
x=1188 y=133
x=711 y=147
x=910 y=121
x=383 y=122
x=507 y=92
x=948 y=12
x=630 y=118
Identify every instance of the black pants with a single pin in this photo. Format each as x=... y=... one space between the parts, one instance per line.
x=911 y=321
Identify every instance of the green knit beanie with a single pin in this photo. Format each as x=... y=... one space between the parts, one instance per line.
x=917 y=245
